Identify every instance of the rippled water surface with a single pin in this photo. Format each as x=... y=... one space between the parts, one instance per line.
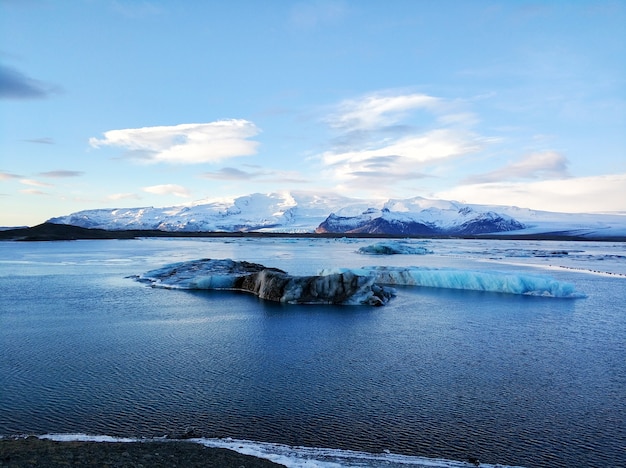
x=441 y=373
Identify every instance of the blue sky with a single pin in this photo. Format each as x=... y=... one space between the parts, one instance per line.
x=112 y=103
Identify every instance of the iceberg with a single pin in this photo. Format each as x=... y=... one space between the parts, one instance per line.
x=346 y=288
x=393 y=248
x=488 y=281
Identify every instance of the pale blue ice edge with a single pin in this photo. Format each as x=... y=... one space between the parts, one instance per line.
x=468 y=280
x=296 y=456
x=223 y=274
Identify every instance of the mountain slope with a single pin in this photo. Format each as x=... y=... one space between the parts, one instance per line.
x=288 y=212
x=431 y=221
x=302 y=212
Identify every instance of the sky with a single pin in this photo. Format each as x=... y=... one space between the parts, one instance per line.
x=119 y=103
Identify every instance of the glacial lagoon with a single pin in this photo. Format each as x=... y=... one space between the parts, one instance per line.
x=433 y=378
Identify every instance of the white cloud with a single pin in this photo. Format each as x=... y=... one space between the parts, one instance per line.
x=8 y=176
x=123 y=196
x=61 y=173
x=168 y=189
x=541 y=165
x=185 y=143
x=33 y=192
x=34 y=183
x=396 y=137
x=424 y=148
x=231 y=173
x=264 y=176
x=377 y=110
x=573 y=195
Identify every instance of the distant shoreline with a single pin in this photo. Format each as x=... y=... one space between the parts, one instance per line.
x=33 y=451
x=64 y=232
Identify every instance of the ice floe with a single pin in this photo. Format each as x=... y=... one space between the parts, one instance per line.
x=394 y=248
x=347 y=286
x=489 y=281
x=272 y=284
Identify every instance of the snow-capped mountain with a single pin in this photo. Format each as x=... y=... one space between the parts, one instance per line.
x=274 y=212
x=303 y=212
x=430 y=221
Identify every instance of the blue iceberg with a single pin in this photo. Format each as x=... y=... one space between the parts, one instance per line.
x=394 y=248
x=489 y=281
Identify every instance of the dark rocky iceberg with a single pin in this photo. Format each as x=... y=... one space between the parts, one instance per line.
x=270 y=283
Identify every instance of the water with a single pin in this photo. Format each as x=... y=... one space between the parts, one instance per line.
x=437 y=373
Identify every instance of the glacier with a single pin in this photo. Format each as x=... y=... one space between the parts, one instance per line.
x=448 y=278
x=307 y=212
x=456 y=220
x=293 y=212
x=345 y=288
x=394 y=248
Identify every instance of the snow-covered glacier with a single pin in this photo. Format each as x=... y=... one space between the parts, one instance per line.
x=346 y=288
x=453 y=220
x=488 y=281
x=292 y=212
x=306 y=212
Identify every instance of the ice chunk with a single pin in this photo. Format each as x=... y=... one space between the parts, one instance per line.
x=491 y=281
x=394 y=247
x=270 y=283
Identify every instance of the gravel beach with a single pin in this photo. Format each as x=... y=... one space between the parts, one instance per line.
x=34 y=452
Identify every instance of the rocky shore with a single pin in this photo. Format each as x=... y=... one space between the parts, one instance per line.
x=34 y=452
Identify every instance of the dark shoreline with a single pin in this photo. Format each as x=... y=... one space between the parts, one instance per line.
x=34 y=452
x=64 y=232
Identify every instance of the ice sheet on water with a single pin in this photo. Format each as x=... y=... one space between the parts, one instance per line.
x=394 y=248
x=448 y=278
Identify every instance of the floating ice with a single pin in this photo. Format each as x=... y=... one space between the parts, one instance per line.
x=346 y=288
x=491 y=281
x=394 y=247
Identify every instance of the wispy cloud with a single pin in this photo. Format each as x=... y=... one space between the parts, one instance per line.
x=61 y=174
x=9 y=176
x=185 y=143
x=16 y=85
x=573 y=195
x=33 y=192
x=41 y=141
x=35 y=183
x=268 y=176
x=542 y=165
x=396 y=137
x=231 y=173
x=123 y=196
x=168 y=189
x=378 y=110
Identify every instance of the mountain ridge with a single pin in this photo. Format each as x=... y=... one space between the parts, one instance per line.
x=303 y=212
